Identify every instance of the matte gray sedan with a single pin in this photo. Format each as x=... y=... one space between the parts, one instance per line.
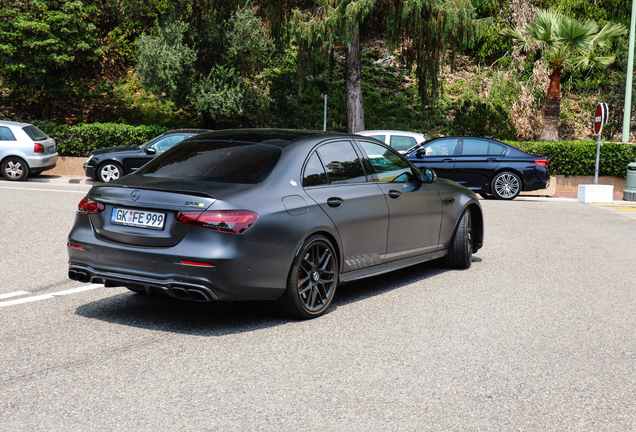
x=278 y=215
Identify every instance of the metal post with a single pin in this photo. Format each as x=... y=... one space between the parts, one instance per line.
x=324 y=128
x=627 y=115
x=598 y=154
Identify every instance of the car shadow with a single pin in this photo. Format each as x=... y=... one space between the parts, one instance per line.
x=166 y=314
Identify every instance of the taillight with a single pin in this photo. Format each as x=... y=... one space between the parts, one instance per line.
x=230 y=221
x=542 y=162
x=38 y=148
x=88 y=206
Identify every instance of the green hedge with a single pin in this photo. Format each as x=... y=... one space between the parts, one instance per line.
x=81 y=139
x=574 y=158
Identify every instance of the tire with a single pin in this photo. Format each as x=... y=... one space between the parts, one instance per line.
x=109 y=171
x=312 y=280
x=460 y=254
x=14 y=169
x=506 y=185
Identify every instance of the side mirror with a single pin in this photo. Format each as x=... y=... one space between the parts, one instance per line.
x=151 y=151
x=419 y=154
x=427 y=175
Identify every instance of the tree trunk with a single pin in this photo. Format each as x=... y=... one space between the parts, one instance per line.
x=46 y=111
x=353 y=86
x=550 y=130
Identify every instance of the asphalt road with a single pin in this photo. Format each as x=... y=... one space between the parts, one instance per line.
x=537 y=336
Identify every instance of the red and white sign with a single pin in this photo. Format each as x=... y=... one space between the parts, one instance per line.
x=601 y=113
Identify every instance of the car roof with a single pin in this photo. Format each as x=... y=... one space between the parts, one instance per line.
x=13 y=123
x=278 y=137
x=391 y=132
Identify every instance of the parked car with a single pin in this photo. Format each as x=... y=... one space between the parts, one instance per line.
x=400 y=140
x=24 y=150
x=484 y=165
x=113 y=162
x=266 y=214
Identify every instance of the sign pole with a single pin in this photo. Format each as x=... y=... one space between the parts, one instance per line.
x=630 y=72
x=601 y=114
x=598 y=155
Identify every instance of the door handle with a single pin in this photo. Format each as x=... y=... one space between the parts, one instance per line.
x=394 y=194
x=447 y=160
x=334 y=202
x=491 y=160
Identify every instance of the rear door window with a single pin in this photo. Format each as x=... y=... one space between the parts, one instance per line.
x=474 y=147
x=402 y=143
x=342 y=163
x=6 y=134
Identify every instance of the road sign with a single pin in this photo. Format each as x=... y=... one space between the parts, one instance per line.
x=601 y=113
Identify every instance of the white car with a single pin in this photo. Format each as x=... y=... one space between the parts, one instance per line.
x=399 y=140
x=24 y=150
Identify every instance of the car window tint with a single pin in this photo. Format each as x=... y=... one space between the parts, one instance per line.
x=379 y=137
x=388 y=165
x=315 y=173
x=214 y=160
x=6 y=134
x=167 y=142
x=475 y=147
x=402 y=143
x=496 y=149
x=34 y=133
x=342 y=163
x=441 y=147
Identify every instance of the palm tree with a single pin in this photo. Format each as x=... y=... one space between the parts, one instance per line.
x=564 y=42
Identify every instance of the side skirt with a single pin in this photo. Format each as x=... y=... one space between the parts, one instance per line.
x=390 y=266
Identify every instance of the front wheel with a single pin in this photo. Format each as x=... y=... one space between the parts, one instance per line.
x=506 y=186
x=460 y=253
x=312 y=281
x=109 y=171
x=15 y=169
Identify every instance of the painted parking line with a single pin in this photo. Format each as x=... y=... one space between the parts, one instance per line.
x=13 y=294
x=37 y=189
x=45 y=296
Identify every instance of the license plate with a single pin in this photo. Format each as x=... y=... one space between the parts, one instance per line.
x=138 y=218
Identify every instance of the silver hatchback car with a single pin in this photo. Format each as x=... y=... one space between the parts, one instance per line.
x=24 y=150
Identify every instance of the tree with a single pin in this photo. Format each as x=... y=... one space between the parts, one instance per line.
x=49 y=50
x=564 y=42
x=424 y=30
x=202 y=57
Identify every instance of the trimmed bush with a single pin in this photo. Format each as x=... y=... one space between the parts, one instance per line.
x=575 y=158
x=81 y=139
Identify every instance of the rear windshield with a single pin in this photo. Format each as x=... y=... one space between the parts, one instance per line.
x=214 y=160
x=34 y=133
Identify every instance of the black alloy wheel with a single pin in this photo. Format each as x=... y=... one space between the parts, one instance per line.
x=460 y=254
x=109 y=171
x=506 y=185
x=15 y=169
x=312 y=280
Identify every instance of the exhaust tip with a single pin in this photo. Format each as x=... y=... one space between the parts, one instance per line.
x=199 y=296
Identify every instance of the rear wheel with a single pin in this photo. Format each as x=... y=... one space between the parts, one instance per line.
x=460 y=254
x=506 y=185
x=312 y=281
x=15 y=169
x=109 y=171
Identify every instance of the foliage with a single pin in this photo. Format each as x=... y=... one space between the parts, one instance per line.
x=476 y=117
x=49 y=49
x=81 y=139
x=576 y=158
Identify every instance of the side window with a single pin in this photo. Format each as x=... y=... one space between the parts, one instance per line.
x=379 y=137
x=6 y=134
x=315 y=173
x=165 y=143
x=475 y=147
x=441 y=147
x=387 y=165
x=496 y=149
x=402 y=143
x=342 y=163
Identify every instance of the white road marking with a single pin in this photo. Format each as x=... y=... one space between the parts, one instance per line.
x=46 y=190
x=45 y=296
x=13 y=294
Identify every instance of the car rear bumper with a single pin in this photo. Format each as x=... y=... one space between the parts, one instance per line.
x=204 y=266
x=42 y=163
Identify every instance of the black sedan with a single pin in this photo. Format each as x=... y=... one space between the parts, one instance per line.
x=113 y=162
x=490 y=167
x=279 y=215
